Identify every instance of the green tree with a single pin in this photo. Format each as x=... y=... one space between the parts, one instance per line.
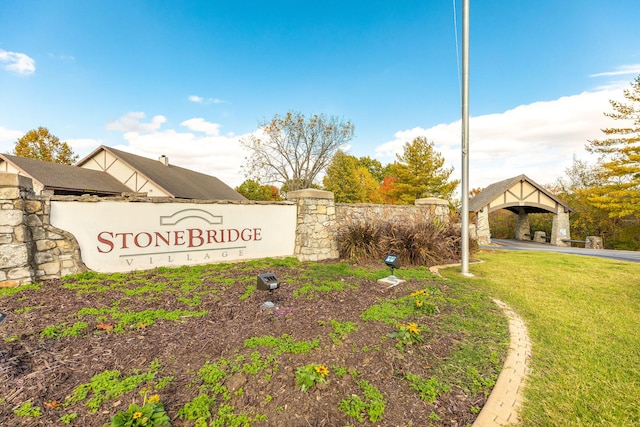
x=580 y=182
x=252 y=190
x=350 y=181
x=374 y=167
x=293 y=150
x=619 y=160
x=419 y=173
x=42 y=145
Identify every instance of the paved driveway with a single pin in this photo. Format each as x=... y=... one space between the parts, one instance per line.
x=508 y=244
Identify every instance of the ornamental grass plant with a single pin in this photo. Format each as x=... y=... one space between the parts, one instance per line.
x=416 y=239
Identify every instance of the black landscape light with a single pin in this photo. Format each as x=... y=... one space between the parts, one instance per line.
x=2 y=316
x=392 y=262
x=268 y=282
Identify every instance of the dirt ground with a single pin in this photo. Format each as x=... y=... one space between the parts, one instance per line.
x=45 y=371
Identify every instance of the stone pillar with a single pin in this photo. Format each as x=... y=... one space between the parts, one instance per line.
x=16 y=243
x=540 y=237
x=523 y=229
x=593 y=242
x=439 y=207
x=483 y=232
x=561 y=229
x=315 y=238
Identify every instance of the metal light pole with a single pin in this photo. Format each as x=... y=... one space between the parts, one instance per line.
x=465 y=137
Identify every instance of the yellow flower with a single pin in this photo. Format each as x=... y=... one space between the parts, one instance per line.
x=137 y=415
x=413 y=328
x=418 y=303
x=155 y=398
x=322 y=370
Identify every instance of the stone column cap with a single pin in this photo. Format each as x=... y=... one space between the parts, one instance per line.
x=310 y=193
x=431 y=201
x=15 y=180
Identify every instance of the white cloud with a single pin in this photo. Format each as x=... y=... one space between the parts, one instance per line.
x=219 y=155
x=18 y=62
x=539 y=139
x=200 y=100
x=82 y=144
x=620 y=71
x=8 y=139
x=200 y=125
x=131 y=122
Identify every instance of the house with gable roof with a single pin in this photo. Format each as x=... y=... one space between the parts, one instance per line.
x=110 y=172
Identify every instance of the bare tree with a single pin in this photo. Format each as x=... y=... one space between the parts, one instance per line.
x=293 y=150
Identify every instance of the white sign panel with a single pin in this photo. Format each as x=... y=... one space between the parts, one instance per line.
x=121 y=237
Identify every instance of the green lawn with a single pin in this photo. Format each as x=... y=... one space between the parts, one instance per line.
x=583 y=318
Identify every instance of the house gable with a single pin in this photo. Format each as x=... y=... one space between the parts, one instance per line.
x=105 y=160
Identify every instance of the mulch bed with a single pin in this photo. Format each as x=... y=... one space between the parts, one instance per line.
x=45 y=370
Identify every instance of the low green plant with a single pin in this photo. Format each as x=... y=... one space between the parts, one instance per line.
x=194 y=301
x=138 y=319
x=248 y=292
x=339 y=371
x=407 y=333
x=309 y=375
x=198 y=410
x=110 y=384
x=28 y=410
x=340 y=330
x=11 y=338
x=375 y=400
x=424 y=301
x=372 y=405
x=353 y=407
x=62 y=330
x=429 y=389
x=151 y=414
x=390 y=311
x=228 y=418
x=8 y=292
x=68 y=418
x=284 y=344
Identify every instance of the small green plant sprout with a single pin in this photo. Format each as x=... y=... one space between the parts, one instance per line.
x=68 y=418
x=28 y=410
x=407 y=333
x=151 y=414
x=309 y=375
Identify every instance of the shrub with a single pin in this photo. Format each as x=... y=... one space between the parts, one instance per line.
x=415 y=239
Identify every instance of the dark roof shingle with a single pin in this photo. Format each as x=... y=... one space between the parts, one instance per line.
x=180 y=182
x=55 y=176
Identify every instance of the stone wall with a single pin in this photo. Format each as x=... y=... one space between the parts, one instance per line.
x=30 y=248
x=429 y=208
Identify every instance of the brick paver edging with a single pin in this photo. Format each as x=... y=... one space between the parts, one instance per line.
x=505 y=400
x=503 y=404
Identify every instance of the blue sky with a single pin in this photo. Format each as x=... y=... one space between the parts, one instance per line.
x=189 y=79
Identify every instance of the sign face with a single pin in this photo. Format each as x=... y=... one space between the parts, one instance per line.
x=121 y=237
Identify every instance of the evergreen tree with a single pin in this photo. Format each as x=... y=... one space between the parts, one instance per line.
x=419 y=173
x=619 y=153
